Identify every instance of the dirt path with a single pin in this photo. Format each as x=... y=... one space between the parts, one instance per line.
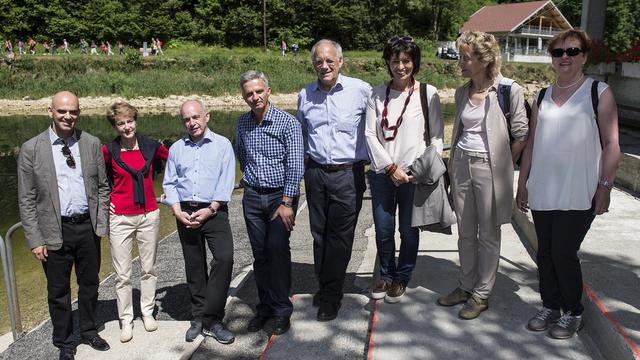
x=149 y=105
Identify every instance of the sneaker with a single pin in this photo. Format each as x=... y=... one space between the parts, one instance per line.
x=380 y=290
x=457 y=296
x=543 y=319
x=566 y=326
x=193 y=331
x=126 y=332
x=220 y=333
x=473 y=307
x=395 y=292
x=150 y=323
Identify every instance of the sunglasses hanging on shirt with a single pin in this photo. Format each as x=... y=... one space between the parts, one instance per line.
x=71 y=162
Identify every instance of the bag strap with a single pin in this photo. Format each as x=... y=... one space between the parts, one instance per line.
x=425 y=112
x=594 y=103
x=541 y=97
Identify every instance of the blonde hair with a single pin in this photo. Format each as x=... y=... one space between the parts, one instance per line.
x=485 y=47
x=121 y=108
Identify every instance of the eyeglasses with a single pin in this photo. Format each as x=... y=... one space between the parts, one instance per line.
x=572 y=51
x=71 y=162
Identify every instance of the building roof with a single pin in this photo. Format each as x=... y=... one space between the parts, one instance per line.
x=505 y=17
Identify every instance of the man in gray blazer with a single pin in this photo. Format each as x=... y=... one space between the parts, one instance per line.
x=63 y=196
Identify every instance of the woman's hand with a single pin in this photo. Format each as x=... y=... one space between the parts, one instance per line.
x=399 y=177
x=522 y=198
x=602 y=198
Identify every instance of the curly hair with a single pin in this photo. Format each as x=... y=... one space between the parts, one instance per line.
x=577 y=34
x=485 y=47
x=121 y=108
x=398 y=45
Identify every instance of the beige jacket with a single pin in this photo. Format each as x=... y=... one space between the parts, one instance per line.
x=499 y=146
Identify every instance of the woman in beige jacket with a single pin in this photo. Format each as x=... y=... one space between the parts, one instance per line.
x=481 y=169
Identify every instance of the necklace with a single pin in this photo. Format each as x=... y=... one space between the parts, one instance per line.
x=571 y=85
x=390 y=132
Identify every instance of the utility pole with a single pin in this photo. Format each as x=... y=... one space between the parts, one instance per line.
x=593 y=12
x=264 y=23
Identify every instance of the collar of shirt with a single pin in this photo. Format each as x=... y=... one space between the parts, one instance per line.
x=57 y=140
x=208 y=136
x=338 y=85
x=267 y=117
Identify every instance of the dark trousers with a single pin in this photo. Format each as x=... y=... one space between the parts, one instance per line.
x=335 y=200
x=271 y=252
x=208 y=289
x=560 y=234
x=80 y=246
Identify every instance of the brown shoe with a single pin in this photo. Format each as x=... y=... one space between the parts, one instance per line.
x=473 y=307
x=395 y=292
x=380 y=290
x=457 y=296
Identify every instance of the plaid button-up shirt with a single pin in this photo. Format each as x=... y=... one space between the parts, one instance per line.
x=271 y=154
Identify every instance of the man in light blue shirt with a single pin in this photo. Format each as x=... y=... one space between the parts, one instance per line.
x=198 y=182
x=332 y=113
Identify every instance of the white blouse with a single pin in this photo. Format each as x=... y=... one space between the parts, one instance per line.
x=566 y=154
x=409 y=143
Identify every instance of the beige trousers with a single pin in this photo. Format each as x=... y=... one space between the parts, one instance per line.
x=478 y=235
x=123 y=228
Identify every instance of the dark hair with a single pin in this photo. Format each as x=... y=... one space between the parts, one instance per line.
x=577 y=34
x=398 y=45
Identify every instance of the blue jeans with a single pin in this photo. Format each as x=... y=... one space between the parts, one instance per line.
x=385 y=198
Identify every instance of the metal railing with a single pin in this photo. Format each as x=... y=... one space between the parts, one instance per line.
x=8 y=269
x=536 y=30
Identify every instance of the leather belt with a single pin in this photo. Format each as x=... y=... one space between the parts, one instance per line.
x=336 y=167
x=263 y=190
x=75 y=219
x=196 y=205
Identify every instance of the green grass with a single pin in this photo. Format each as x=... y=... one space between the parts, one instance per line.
x=208 y=70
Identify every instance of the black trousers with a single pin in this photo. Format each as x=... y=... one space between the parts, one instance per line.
x=80 y=246
x=208 y=289
x=560 y=234
x=271 y=252
x=335 y=200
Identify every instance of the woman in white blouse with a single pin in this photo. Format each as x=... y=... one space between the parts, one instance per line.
x=567 y=173
x=395 y=138
x=481 y=169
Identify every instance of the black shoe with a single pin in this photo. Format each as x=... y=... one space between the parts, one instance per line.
x=281 y=325
x=257 y=323
x=317 y=299
x=67 y=354
x=193 y=332
x=220 y=333
x=97 y=343
x=328 y=311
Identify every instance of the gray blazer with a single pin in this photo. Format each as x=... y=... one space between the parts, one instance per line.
x=38 y=196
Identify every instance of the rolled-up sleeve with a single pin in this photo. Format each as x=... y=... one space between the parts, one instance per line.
x=294 y=160
x=224 y=187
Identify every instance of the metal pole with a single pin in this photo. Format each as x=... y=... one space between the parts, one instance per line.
x=12 y=280
x=6 y=270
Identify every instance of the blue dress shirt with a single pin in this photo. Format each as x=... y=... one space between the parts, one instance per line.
x=202 y=171
x=271 y=154
x=333 y=122
x=71 y=190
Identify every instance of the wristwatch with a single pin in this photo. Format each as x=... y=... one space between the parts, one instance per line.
x=287 y=204
x=606 y=184
x=211 y=208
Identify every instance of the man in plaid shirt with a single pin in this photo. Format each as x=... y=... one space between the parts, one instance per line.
x=271 y=154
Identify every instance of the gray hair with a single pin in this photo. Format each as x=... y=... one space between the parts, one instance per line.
x=198 y=100
x=326 y=41
x=252 y=75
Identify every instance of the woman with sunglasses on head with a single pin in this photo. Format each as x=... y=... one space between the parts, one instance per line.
x=130 y=158
x=566 y=177
x=394 y=132
x=481 y=169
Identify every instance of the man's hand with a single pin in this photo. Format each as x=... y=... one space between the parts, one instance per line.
x=287 y=216
x=199 y=217
x=40 y=252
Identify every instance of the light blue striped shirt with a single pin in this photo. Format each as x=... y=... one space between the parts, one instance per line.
x=333 y=122
x=204 y=171
x=71 y=190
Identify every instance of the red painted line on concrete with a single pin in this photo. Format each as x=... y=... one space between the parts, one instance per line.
x=374 y=323
x=272 y=338
x=616 y=325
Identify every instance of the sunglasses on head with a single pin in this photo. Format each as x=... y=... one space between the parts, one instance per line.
x=572 y=51
x=71 y=162
x=394 y=39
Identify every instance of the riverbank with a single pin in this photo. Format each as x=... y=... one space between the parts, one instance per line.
x=154 y=105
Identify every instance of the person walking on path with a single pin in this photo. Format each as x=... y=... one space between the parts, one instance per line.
x=271 y=155
x=283 y=48
x=332 y=112
x=198 y=183
x=566 y=177
x=63 y=196
x=21 y=47
x=481 y=169
x=32 y=45
x=394 y=132
x=130 y=160
x=65 y=45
